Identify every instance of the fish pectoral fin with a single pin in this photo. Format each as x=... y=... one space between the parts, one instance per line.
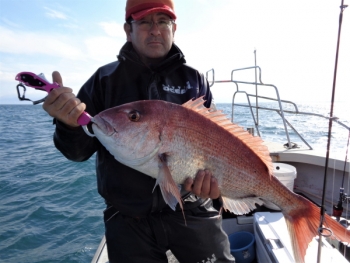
x=241 y=206
x=170 y=190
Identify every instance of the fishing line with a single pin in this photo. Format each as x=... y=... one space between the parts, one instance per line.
x=333 y=186
x=342 y=7
x=346 y=158
x=344 y=172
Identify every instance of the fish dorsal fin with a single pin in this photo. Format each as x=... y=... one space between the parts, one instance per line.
x=254 y=143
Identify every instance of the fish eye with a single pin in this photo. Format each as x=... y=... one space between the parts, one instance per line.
x=134 y=115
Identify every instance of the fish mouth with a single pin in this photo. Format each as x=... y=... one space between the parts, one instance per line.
x=103 y=125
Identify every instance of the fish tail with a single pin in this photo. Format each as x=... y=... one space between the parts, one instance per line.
x=303 y=227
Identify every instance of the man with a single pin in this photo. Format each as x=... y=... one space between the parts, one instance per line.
x=140 y=227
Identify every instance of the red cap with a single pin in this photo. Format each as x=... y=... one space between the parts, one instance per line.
x=138 y=9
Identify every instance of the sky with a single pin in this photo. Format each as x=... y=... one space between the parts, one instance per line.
x=295 y=43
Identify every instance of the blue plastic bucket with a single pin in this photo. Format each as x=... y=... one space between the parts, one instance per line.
x=242 y=245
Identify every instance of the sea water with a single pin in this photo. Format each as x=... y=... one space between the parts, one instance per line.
x=50 y=210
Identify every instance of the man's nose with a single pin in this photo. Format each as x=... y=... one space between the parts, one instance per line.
x=154 y=30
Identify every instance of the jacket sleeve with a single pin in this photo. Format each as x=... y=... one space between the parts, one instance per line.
x=74 y=143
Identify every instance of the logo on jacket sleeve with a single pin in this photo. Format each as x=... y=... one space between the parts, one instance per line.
x=178 y=89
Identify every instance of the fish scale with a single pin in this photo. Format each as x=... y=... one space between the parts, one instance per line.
x=171 y=142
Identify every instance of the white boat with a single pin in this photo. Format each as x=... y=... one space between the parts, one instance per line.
x=272 y=243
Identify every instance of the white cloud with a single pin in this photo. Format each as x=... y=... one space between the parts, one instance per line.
x=19 y=42
x=75 y=57
x=10 y=23
x=55 y=14
x=113 y=29
x=103 y=48
x=70 y=26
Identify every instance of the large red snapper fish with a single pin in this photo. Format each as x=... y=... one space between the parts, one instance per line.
x=171 y=142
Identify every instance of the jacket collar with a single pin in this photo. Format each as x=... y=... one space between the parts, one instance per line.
x=173 y=60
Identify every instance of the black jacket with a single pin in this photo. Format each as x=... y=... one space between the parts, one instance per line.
x=123 y=81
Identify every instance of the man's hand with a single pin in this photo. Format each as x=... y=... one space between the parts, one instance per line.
x=203 y=185
x=62 y=104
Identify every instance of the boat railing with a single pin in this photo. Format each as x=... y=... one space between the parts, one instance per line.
x=279 y=110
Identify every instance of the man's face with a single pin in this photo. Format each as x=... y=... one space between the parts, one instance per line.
x=153 y=44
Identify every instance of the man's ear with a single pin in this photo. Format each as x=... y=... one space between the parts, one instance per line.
x=174 y=28
x=127 y=29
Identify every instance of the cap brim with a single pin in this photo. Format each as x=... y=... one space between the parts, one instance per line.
x=143 y=13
